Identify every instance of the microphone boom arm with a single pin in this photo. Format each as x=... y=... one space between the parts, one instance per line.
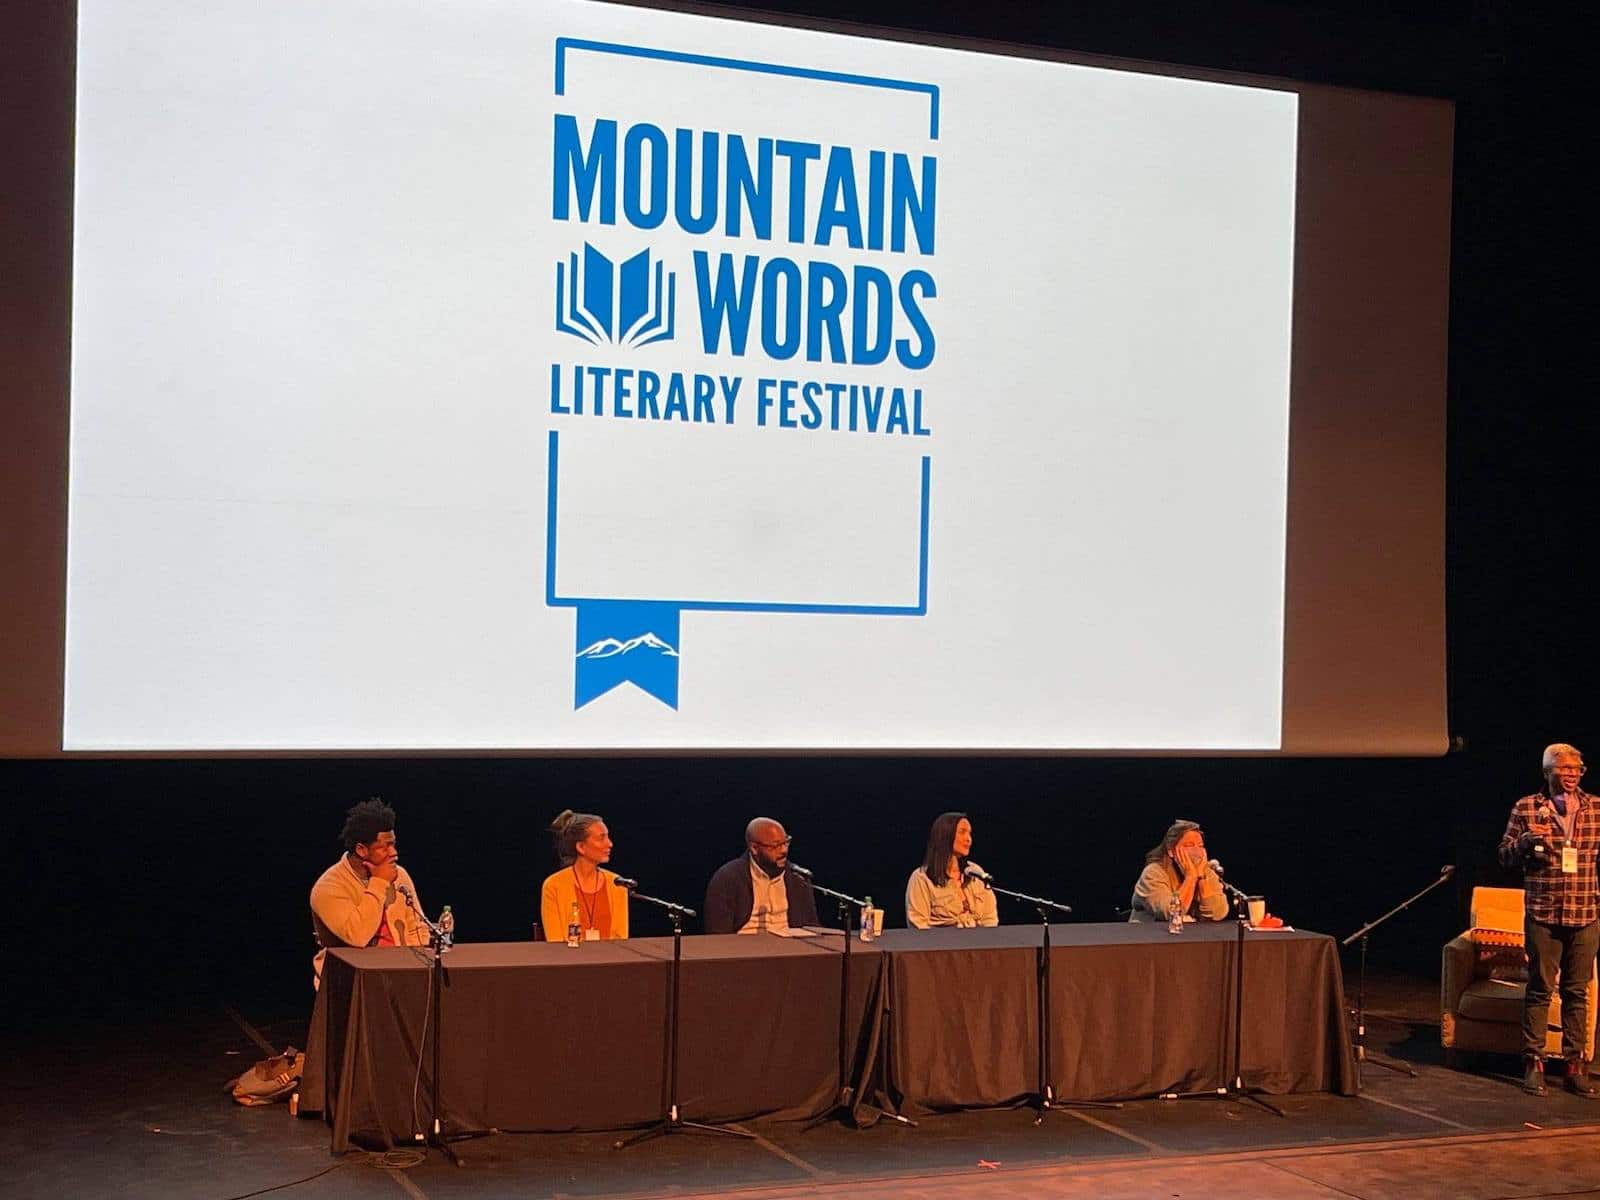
x=440 y=938
x=810 y=877
x=840 y=896
x=1038 y=901
x=1446 y=873
x=679 y=909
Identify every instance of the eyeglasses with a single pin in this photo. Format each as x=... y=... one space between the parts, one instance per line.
x=1570 y=770
x=773 y=845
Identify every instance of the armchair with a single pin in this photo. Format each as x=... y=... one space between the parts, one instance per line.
x=1484 y=979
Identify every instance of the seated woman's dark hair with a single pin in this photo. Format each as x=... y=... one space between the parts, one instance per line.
x=568 y=829
x=365 y=821
x=941 y=843
x=1171 y=838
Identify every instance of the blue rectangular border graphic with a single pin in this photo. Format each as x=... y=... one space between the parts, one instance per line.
x=563 y=44
x=919 y=609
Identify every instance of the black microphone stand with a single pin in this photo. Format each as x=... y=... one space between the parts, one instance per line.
x=844 y=1099
x=1044 y=1100
x=1236 y=1089
x=1362 y=1057
x=439 y=943
x=670 y=1121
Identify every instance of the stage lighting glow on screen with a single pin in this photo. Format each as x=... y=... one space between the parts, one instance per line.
x=570 y=375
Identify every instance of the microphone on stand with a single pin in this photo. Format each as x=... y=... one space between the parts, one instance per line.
x=443 y=930
x=973 y=871
x=1216 y=869
x=802 y=872
x=626 y=884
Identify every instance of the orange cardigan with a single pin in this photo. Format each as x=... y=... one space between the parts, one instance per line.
x=560 y=892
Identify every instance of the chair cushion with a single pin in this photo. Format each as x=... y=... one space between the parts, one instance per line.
x=1493 y=1000
x=1497 y=908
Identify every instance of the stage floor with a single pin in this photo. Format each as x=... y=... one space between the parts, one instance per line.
x=140 y=1110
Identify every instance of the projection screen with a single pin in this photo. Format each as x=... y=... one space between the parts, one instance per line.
x=579 y=376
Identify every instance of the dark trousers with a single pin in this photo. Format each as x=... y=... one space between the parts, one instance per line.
x=1571 y=950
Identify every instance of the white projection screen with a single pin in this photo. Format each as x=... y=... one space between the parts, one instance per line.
x=486 y=375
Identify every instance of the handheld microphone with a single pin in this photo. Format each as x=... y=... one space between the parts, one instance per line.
x=803 y=872
x=1545 y=813
x=626 y=884
x=973 y=871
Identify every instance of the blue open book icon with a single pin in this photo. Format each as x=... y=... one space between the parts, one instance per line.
x=630 y=305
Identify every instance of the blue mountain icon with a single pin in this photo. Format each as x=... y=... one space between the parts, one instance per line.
x=612 y=648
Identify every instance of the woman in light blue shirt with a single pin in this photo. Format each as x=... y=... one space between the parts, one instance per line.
x=943 y=891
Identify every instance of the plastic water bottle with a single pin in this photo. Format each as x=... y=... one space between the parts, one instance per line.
x=868 y=931
x=1174 y=916
x=447 y=926
x=574 y=927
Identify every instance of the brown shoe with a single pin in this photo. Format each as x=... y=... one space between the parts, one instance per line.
x=1533 y=1075
x=1578 y=1081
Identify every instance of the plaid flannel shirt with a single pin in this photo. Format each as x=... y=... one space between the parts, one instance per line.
x=1550 y=896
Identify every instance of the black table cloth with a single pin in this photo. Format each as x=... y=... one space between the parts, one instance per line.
x=1135 y=1010
x=543 y=1037
x=540 y=1036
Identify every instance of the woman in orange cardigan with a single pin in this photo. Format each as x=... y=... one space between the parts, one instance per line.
x=581 y=885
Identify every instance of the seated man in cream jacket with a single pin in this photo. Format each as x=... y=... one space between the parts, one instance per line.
x=362 y=900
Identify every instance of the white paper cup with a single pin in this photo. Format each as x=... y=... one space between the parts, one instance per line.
x=1256 y=906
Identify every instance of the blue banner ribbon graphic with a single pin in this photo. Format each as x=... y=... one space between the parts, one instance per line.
x=627 y=641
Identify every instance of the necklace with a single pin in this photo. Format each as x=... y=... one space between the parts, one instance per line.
x=589 y=901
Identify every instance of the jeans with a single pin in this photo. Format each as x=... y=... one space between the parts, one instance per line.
x=1571 y=949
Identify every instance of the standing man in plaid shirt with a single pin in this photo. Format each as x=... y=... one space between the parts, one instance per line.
x=1553 y=836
